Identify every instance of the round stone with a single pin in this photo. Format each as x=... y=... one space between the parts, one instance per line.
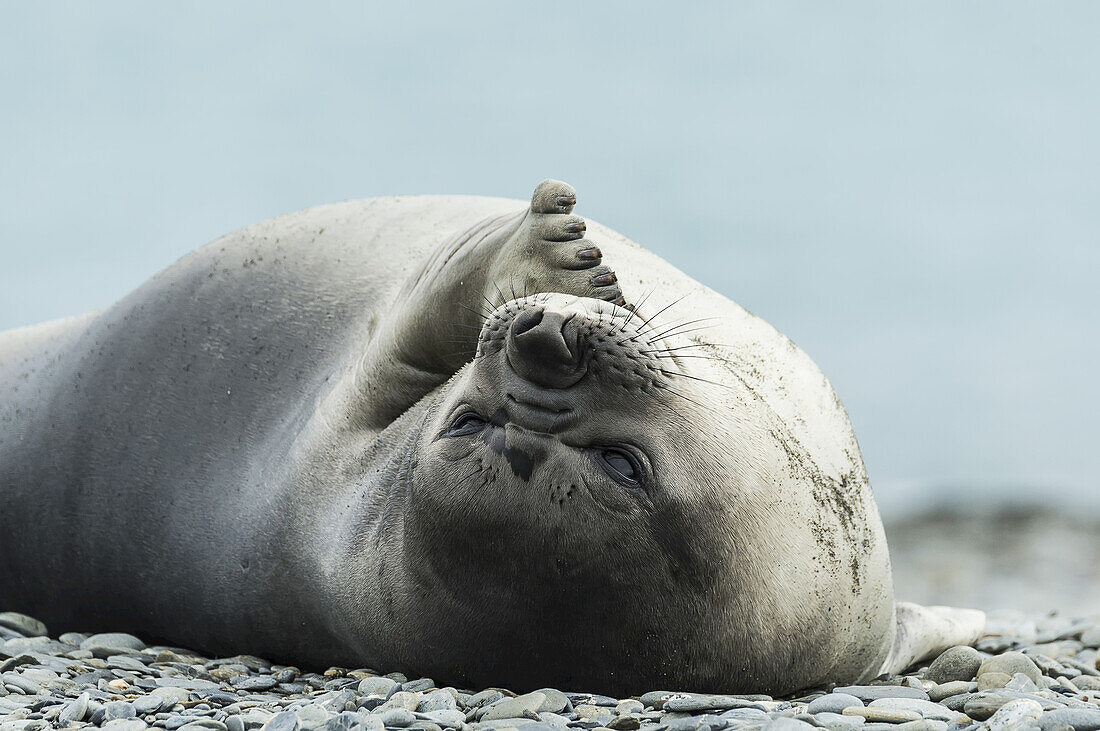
x=285 y=721
x=126 y=724
x=1011 y=663
x=981 y=707
x=21 y=623
x=255 y=683
x=957 y=663
x=927 y=709
x=171 y=695
x=147 y=704
x=868 y=693
x=400 y=717
x=381 y=687
x=1015 y=714
x=118 y=709
x=955 y=687
x=447 y=718
x=204 y=724
x=522 y=706
x=556 y=701
x=785 y=723
x=111 y=643
x=437 y=700
x=403 y=699
x=833 y=703
x=629 y=706
x=1080 y=719
x=992 y=681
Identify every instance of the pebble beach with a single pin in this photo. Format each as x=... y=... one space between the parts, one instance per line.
x=1027 y=672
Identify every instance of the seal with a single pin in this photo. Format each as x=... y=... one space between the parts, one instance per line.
x=431 y=434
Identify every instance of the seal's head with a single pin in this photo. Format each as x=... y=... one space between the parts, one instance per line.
x=590 y=493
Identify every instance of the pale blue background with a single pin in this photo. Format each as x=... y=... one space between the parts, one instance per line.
x=909 y=190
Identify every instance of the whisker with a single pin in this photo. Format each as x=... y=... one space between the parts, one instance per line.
x=674 y=374
x=670 y=356
x=670 y=330
x=658 y=313
x=633 y=311
x=684 y=396
x=681 y=347
x=480 y=313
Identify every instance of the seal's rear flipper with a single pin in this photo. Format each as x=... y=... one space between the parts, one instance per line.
x=926 y=631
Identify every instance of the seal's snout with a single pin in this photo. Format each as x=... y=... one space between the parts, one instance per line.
x=543 y=348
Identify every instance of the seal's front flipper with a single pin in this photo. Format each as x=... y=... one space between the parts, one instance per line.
x=926 y=631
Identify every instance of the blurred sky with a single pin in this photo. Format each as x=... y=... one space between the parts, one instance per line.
x=908 y=190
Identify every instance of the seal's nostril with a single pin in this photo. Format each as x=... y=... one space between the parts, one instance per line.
x=526 y=321
x=544 y=348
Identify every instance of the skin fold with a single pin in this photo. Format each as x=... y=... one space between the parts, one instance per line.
x=442 y=435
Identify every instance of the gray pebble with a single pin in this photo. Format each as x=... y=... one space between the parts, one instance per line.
x=1015 y=714
x=868 y=693
x=204 y=724
x=419 y=685
x=927 y=709
x=1011 y=663
x=234 y=723
x=23 y=683
x=1081 y=719
x=118 y=709
x=833 y=703
x=556 y=701
x=13 y=663
x=147 y=704
x=126 y=724
x=837 y=721
x=522 y=706
x=946 y=690
x=787 y=724
x=74 y=710
x=399 y=717
x=254 y=683
x=171 y=695
x=21 y=623
x=111 y=643
x=380 y=686
x=957 y=663
x=285 y=721
x=447 y=717
x=437 y=700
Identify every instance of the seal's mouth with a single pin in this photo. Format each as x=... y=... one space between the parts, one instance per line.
x=546 y=417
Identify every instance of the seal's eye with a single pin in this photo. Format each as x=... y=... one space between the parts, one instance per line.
x=622 y=466
x=469 y=422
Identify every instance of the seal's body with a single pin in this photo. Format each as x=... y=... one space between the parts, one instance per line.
x=431 y=434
